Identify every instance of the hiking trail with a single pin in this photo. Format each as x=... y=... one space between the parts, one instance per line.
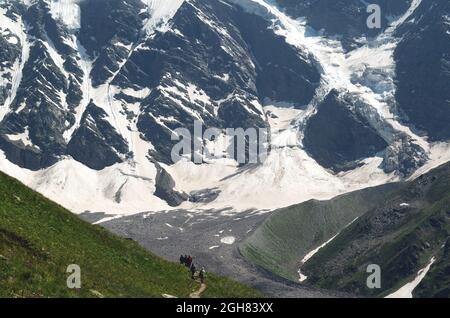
x=198 y=293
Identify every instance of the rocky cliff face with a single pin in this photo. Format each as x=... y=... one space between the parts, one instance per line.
x=107 y=82
x=338 y=137
x=213 y=64
x=422 y=68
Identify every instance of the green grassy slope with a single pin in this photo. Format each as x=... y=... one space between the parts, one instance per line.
x=39 y=239
x=437 y=282
x=290 y=233
x=400 y=239
x=400 y=227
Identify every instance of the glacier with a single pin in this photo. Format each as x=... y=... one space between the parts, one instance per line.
x=287 y=177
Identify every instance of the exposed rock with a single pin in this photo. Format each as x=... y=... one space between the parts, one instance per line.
x=337 y=138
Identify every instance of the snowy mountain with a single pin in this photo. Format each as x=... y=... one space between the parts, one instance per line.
x=91 y=92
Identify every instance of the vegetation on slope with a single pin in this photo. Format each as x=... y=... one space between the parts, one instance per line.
x=39 y=239
x=400 y=235
x=399 y=227
x=437 y=281
x=290 y=233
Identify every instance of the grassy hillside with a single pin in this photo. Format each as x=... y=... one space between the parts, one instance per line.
x=400 y=235
x=290 y=233
x=39 y=239
x=400 y=227
x=437 y=281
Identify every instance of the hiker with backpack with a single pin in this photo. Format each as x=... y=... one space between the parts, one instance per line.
x=202 y=275
x=189 y=261
x=193 y=271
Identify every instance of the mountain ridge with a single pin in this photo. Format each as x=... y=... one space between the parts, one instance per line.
x=225 y=64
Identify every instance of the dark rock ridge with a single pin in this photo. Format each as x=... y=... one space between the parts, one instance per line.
x=423 y=70
x=106 y=27
x=210 y=50
x=96 y=143
x=224 y=63
x=165 y=188
x=48 y=93
x=337 y=137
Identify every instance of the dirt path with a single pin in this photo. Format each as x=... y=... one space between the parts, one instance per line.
x=198 y=293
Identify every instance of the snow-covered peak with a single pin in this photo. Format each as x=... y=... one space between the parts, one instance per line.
x=160 y=12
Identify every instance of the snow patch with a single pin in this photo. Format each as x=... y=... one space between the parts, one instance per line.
x=302 y=277
x=66 y=11
x=140 y=94
x=229 y=240
x=288 y=176
x=406 y=291
x=78 y=188
x=160 y=12
x=12 y=40
x=86 y=66
x=309 y=255
x=314 y=251
x=23 y=137
x=439 y=154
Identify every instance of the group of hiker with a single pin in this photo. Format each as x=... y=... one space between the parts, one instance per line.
x=188 y=261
